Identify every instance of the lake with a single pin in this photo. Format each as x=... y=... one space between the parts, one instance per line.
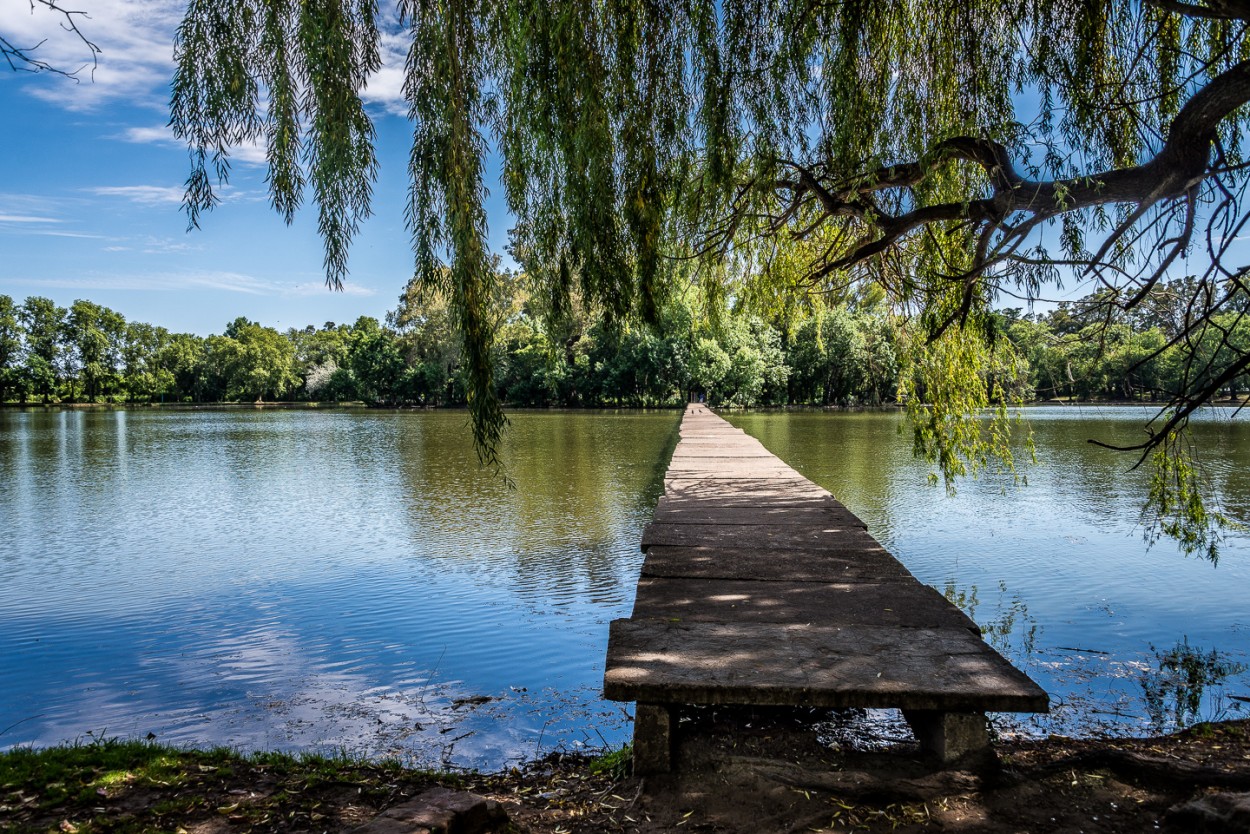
x=351 y=581
x=318 y=580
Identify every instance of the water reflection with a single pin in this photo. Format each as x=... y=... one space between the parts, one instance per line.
x=1183 y=680
x=1009 y=627
x=1081 y=597
x=318 y=580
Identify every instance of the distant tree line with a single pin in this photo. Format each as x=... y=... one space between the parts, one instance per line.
x=90 y=353
x=844 y=353
x=1091 y=349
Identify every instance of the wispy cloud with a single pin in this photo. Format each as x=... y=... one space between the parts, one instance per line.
x=135 y=40
x=251 y=153
x=54 y=233
x=319 y=288
x=165 y=195
x=26 y=218
x=30 y=205
x=149 y=135
x=221 y=281
x=167 y=246
x=149 y=245
x=148 y=195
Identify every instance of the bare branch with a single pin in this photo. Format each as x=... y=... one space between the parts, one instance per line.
x=23 y=58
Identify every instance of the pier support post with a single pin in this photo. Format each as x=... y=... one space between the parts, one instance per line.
x=653 y=738
x=950 y=736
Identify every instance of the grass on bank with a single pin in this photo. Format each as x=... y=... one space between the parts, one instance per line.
x=134 y=786
x=137 y=787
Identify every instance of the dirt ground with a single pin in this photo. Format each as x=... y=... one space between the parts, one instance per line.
x=737 y=773
x=774 y=776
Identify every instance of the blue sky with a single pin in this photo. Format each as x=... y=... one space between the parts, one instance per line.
x=91 y=180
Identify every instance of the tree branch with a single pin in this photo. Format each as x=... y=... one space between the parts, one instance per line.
x=22 y=59
x=1211 y=10
x=1182 y=163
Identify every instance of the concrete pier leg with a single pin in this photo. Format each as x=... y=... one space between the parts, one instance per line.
x=951 y=736
x=653 y=738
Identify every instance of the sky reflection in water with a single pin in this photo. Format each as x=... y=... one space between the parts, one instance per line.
x=313 y=580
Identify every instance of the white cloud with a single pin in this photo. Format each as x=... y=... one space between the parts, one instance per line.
x=135 y=41
x=165 y=246
x=223 y=281
x=385 y=87
x=148 y=195
x=228 y=281
x=319 y=288
x=26 y=218
x=51 y=233
x=153 y=135
x=251 y=153
x=30 y=205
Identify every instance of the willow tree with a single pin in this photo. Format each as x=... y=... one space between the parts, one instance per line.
x=946 y=152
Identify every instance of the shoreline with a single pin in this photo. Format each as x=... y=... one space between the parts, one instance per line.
x=763 y=775
x=356 y=405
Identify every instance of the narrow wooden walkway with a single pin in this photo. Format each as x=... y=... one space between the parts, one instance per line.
x=760 y=588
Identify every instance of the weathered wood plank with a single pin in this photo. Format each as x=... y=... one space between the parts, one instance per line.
x=720 y=453
x=770 y=664
x=780 y=514
x=737 y=470
x=903 y=603
x=715 y=500
x=826 y=536
x=868 y=565
x=740 y=489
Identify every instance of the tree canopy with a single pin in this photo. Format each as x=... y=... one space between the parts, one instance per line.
x=947 y=153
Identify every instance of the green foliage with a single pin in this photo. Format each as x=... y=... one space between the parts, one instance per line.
x=615 y=764
x=11 y=337
x=1176 y=506
x=253 y=361
x=310 y=60
x=376 y=363
x=94 y=336
x=44 y=324
x=143 y=376
x=1183 y=675
x=416 y=358
x=953 y=380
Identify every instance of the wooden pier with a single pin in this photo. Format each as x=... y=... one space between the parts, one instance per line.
x=759 y=588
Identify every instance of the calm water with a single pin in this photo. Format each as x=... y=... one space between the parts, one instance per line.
x=314 y=580
x=349 y=580
x=1056 y=570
